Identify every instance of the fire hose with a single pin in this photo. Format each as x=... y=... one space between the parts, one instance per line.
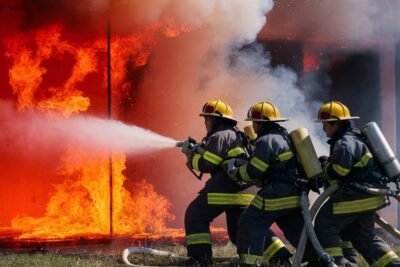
x=301 y=247
x=148 y=251
x=321 y=200
x=312 y=169
x=154 y=252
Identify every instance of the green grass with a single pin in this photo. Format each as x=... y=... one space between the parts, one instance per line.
x=112 y=257
x=55 y=259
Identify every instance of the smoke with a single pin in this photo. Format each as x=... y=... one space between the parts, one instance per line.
x=332 y=21
x=32 y=131
x=336 y=21
x=219 y=58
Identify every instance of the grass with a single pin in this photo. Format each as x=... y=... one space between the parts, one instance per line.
x=112 y=258
x=56 y=259
x=100 y=259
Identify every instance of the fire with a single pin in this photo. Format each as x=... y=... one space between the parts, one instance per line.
x=143 y=210
x=27 y=73
x=133 y=51
x=171 y=29
x=80 y=205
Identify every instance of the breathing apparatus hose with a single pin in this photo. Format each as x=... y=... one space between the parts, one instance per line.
x=308 y=218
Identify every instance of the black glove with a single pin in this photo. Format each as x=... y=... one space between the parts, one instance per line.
x=323 y=159
x=187 y=146
x=301 y=182
x=315 y=185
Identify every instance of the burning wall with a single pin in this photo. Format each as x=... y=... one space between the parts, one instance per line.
x=80 y=202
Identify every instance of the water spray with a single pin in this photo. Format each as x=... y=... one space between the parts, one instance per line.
x=37 y=131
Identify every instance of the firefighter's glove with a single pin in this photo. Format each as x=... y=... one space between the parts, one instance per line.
x=230 y=167
x=315 y=184
x=187 y=147
x=324 y=165
x=323 y=159
x=301 y=182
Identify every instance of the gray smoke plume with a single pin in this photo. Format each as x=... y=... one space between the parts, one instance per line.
x=340 y=21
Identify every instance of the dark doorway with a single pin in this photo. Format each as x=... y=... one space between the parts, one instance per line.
x=355 y=82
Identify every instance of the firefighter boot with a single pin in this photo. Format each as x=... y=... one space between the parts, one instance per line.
x=198 y=262
x=281 y=258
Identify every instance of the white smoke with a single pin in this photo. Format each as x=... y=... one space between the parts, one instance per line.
x=340 y=21
x=209 y=63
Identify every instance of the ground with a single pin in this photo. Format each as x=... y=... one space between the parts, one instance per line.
x=110 y=257
x=82 y=258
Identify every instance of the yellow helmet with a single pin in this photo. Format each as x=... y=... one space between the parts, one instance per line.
x=334 y=111
x=264 y=111
x=217 y=108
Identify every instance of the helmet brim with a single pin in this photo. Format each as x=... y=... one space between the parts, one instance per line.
x=202 y=114
x=338 y=119
x=263 y=120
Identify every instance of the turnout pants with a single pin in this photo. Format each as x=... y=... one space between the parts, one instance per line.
x=349 y=253
x=257 y=244
x=198 y=217
x=359 y=228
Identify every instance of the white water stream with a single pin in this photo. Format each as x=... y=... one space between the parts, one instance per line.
x=29 y=131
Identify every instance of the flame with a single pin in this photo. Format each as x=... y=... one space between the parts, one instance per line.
x=26 y=75
x=133 y=51
x=171 y=29
x=143 y=210
x=80 y=205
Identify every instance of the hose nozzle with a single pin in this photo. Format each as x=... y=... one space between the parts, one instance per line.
x=179 y=144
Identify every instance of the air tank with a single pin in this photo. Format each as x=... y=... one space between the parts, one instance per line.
x=249 y=131
x=306 y=153
x=381 y=150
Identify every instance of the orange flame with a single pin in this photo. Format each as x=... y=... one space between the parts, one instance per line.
x=80 y=204
x=130 y=52
x=171 y=29
x=26 y=74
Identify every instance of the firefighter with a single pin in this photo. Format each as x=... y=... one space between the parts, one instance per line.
x=273 y=167
x=220 y=193
x=349 y=211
